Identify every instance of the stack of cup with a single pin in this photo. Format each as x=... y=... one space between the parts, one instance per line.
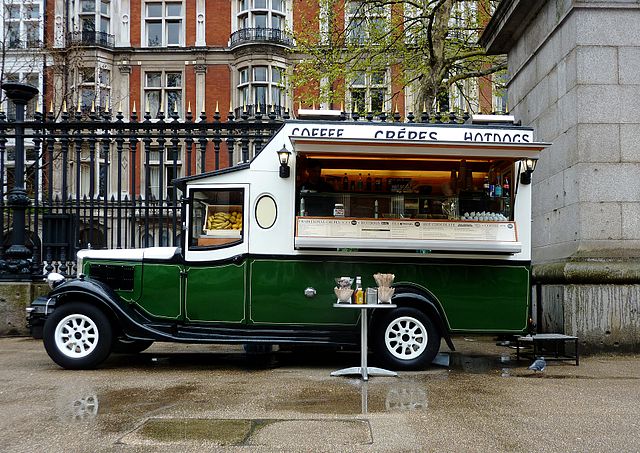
x=385 y=291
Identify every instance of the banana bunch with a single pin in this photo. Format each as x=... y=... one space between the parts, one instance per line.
x=225 y=221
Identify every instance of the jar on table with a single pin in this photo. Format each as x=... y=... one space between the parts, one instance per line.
x=338 y=210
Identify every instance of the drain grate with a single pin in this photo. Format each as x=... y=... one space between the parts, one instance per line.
x=250 y=432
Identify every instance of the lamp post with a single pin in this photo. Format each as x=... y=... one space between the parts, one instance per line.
x=17 y=255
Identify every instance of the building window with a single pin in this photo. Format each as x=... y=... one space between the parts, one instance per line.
x=30 y=170
x=94 y=86
x=368 y=92
x=499 y=89
x=262 y=14
x=261 y=86
x=98 y=167
x=365 y=21
x=29 y=78
x=22 y=24
x=163 y=92
x=171 y=170
x=164 y=22
x=95 y=16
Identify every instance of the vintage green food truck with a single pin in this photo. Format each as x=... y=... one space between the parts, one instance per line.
x=445 y=208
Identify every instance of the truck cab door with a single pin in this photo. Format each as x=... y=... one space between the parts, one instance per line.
x=216 y=251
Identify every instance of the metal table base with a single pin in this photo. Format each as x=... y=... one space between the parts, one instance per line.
x=364 y=370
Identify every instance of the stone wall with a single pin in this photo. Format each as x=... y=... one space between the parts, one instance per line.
x=604 y=317
x=14 y=298
x=575 y=78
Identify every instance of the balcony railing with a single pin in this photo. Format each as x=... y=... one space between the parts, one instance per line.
x=265 y=111
x=260 y=35
x=91 y=38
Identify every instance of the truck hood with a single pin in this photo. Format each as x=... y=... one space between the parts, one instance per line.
x=129 y=254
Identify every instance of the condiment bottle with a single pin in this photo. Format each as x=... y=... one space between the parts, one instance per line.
x=358 y=294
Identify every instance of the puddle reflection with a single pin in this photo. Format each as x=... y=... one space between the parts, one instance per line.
x=80 y=409
x=398 y=398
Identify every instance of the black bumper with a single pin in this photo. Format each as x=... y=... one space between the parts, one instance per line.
x=37 y=314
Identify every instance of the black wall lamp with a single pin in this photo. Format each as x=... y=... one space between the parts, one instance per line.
x=283 y=157
x=529 y=166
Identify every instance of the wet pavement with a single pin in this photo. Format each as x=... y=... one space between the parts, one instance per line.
x=204 y=398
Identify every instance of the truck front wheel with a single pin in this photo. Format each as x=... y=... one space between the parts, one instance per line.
x=406 y=339
x=77 y=336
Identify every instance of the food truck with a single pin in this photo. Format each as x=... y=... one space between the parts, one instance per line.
x=445 y=210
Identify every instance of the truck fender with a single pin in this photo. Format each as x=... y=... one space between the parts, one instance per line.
x=408 y=295
x=102 y=296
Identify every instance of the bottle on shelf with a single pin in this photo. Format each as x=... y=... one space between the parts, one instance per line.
x=492 y=185
x=368 y=183
x=375 y=209
x=378 y=184
x=352 y=185
x=345 y=183
x=462 y=175
x=358 y=294
x=302 y=211
x=485 y=184
x=506 y=187
x=453 y=181
x=498 y=188
x=360 y=184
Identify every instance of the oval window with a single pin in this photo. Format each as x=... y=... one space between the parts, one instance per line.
x=266 y=212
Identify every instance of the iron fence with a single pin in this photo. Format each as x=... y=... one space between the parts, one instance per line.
x=101 y=182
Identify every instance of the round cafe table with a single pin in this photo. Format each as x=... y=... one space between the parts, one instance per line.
x=364 y=370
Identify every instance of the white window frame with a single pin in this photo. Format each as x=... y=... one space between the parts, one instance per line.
x=154 y=175
x=369 y=86
x=249 y=86
x=367 y=14
x=101 y=89
x=247 y=12
x=27 y=18
x=163 y=89
x=164 y=20
x=98 y=15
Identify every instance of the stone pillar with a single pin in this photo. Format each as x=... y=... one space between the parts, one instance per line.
x=574 y=70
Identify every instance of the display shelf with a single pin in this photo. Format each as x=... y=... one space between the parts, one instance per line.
x=402 y=205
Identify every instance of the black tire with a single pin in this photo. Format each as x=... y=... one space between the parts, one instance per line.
x=128 y=346
x=77 y=336
x=405 y=339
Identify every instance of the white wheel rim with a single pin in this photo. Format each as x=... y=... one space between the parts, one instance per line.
x=406 y=338
x=76 y=336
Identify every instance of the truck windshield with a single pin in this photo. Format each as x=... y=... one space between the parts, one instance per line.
x=217 y=218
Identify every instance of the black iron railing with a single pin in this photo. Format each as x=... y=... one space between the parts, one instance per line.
x=98 y=181
x=90 y=38
x=260 y=35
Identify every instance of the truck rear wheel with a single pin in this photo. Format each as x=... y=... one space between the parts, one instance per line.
x=406 y=339
x=77 y=336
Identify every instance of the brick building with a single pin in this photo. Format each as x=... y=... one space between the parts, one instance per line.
x=172 y=55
